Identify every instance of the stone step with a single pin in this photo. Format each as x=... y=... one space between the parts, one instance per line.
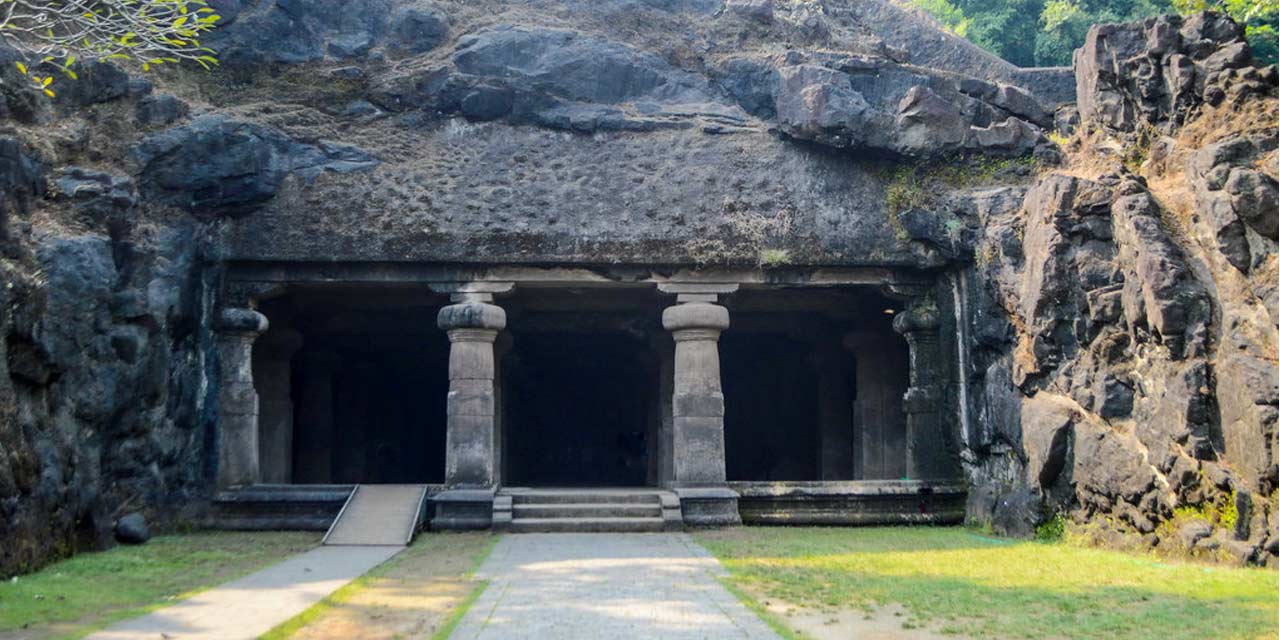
x=587 y=525
x=587 y=510
x=584 y=497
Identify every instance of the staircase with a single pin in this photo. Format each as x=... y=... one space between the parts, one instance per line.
x=586 y=510
x=379 y=514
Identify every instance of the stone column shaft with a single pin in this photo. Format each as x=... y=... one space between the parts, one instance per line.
x=238 y=401
x=472 y=466
x=471 y=456
x=928 y=454
x=697 y=409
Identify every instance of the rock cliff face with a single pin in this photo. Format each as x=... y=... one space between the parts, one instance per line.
x=1116 y=329
x=1125 y=367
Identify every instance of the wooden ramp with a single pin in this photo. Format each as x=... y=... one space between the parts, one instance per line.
x=379 y=514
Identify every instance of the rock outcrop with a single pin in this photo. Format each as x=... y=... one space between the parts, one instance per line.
x=1129 y=327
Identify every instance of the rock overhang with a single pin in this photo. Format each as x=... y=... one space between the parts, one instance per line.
x=494 y=192
x=543 y=134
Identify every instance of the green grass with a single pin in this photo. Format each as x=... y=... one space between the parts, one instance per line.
x=75 y=596
x=963 y=582
x=455 y=616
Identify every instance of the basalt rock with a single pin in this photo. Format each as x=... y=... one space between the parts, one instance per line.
x=1140 y=341
x=1159 y=71
x=216 y=164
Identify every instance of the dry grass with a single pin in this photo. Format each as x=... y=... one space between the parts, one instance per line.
x=411 y=596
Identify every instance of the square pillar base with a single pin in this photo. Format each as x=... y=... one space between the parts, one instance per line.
x=463 y=509
x=709 y=506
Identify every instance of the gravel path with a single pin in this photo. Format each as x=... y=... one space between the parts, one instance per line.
x=603 y=585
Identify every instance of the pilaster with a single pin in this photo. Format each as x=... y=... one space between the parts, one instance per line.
x=929 y=455
x=237 y=399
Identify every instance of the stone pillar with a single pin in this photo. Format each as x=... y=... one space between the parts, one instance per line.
x=697 y=406
x=313 y=436
x=929 y=455
x=237 y=399
x=472 y=465
x=273 y=376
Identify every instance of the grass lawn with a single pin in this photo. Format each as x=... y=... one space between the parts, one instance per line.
x=75 y=596
x=956 y=581
x=420 y=593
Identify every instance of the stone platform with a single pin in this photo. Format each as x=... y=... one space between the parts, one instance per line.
x=850 y=502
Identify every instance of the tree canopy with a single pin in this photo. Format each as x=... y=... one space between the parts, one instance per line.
x=49 y=36
x=1045 y=32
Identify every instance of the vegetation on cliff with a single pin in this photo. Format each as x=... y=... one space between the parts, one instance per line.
x=1046 y=32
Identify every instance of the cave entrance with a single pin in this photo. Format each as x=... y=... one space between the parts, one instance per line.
x=813 y=383
x=352 y=384
x=579 y=386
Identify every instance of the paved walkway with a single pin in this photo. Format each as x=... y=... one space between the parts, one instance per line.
x=251 y=606
x=593 y=586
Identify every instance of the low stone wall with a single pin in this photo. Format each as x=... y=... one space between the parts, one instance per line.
x=857 y=502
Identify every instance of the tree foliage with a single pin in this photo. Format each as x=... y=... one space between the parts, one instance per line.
x=1045 y=32
x=50 y=36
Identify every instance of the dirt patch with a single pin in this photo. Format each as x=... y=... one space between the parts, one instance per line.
x=891 y=622
x=411 y=596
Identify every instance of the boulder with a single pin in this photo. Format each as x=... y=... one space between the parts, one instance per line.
x=819 y=104
x=574 y=66
x=927 y=124
x=159 y=110
x=758 y=10
x=96 y=193
x=1047 y=429
x=1192 y=532
x=217 y=164
x=295 y=31
x=132 y=529
x=97 y=82
x=417 y=28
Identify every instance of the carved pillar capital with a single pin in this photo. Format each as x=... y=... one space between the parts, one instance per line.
x=920 y=316
x=472 y=315
x=238 y=320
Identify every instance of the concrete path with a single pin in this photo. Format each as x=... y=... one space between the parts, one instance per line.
x=251 y=606
x=605 y=585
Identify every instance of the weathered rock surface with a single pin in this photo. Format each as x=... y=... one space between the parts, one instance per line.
x=104 y=376
x=1159 y=71
x=215 y=163
x=1140 y=343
